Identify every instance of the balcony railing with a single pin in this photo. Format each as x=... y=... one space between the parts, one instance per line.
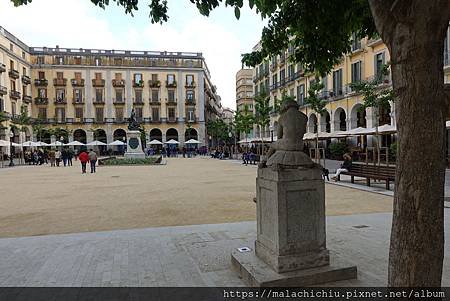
x=171 y=101
x=14 y=74
x=119 y=101
x=118 y=83
x=14 y=94
x=60 y=101
x=59 y=82
x=78 y=101
x=155 y=101
x=26 y=80
x=3 y=90
x=138 y=102
x=27 y=98
x=190 y=102
x=190 y=85
x=41 y=101
x=77 y=82
x=171 y=119
x=98 y=101
x=98 y=82
x=154 y=83
x=41 y=82
x=2 y=68
x=172 y=84
x=194 y=120
x=156 y=120
x=138 y=84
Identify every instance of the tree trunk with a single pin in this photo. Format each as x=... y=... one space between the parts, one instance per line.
x=414 y=32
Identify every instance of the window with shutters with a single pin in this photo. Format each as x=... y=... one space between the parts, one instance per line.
x=171 y=113
x=98 y=76
x=155 y=114
x=99 y=114
x=119 y=95
x=77 y=95
x=356 y=42
x=379 y=62
x=42 y=114
x=60 y=114
x=98 y=61
x=301 y=94
x=42 y=92
x=41 y=75
x=79 y=113
x=138 y=111
x=337 y=82
x=191 y=115
x=60 y=95
x=171 y=95
x=98 y=95
x=138 y=96
x=119 y=114
x=356 y=72
x=155 y=95
x=190 y=96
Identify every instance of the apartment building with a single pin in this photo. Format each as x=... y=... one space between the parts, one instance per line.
x=91 y=92
x=278 y=75
x=244 y=93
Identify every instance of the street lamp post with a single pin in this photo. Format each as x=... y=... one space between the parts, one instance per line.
x=229 y=136
x=271 y=133
x=11 y=136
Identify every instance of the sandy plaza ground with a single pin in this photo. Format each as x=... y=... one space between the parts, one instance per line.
x=39 y=200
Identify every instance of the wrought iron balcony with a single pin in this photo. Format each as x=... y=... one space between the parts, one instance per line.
x=98 y=82
x=77 y=82
x=172 y=84
x=2 y=68
x=26 y=80
x=154 y=83
x=156 y=120
x=190 y=85
x=41 y=82
x=138 y=84
x=171 y=101
x=59 y=82
x=138 y=102
x=3 y=90
x=78 y=101
x=118 y=83
x=171 y=119
x=98 y=101
x=41 y=101
x=27 y=99
x=190 y=102
x=155 y=102
x=14 y=74
x=14 y=94
x=60 y=101
x=119 y=101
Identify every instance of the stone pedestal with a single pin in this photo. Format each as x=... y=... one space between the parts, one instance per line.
x=134 y=145
x=290 y=248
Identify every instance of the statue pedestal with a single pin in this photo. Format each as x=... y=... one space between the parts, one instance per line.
x=134 y=145
x=290 y=249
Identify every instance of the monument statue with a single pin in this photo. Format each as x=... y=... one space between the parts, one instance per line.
x=133 y=124
x=287 y=151
x=290 y=247
x=134 y=143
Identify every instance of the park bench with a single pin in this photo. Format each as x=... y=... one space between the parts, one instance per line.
x=384 y=173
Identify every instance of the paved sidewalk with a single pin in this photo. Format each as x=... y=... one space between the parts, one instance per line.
x=196 y=255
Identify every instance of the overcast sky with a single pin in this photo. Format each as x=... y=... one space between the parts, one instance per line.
x=79 y=24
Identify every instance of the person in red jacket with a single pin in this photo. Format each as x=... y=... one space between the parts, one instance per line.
x=84 y=158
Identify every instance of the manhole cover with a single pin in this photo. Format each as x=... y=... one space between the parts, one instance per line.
x=360 y=226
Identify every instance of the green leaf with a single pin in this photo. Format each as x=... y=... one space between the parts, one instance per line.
x=237 y=12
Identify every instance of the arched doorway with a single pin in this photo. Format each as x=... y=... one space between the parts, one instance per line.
x=172 y=134
x=340 y=120
x=156 y=134
x=358 y=116
x=384 y=116
x=312 y=123
x=120 y=134
x=100 y=135
x=325 y=122
x=79 y=135
x=190 y=133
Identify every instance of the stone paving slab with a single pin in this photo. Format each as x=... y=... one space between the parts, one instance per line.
x=197 y=255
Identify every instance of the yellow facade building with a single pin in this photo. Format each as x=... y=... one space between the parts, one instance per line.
x=366 y=59
x=91 y=92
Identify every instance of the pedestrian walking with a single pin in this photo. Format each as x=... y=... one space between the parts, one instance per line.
x=57 y=157
x=52 y=157
x=69 y=157
x=92 y=160
x=84 y=158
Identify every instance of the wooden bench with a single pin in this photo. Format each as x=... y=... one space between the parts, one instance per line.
x=384 y=173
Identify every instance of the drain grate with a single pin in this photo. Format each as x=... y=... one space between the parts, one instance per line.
x=360 y=226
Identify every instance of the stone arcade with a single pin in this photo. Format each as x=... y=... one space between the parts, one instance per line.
x=290 y=249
